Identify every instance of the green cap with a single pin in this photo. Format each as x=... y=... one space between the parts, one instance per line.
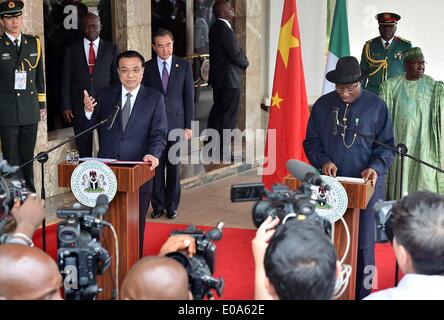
x=413 y=54
x=11 y=9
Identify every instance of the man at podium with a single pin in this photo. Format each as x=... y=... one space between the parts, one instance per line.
x=139 y=132
x=346 y=154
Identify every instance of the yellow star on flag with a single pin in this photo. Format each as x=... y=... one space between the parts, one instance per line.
x=287 y=40
x=276 y=100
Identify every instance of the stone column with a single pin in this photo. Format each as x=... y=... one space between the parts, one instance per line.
x=132 y=23
x=249 y=25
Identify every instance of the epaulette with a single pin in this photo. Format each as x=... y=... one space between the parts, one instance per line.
x=402 y=39
x=369 y=41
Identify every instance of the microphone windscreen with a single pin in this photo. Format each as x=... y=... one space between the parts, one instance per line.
x=299 y=169
x=102 y=200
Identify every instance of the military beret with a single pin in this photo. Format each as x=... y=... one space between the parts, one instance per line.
x=413 y=54
x=387 y=18
x=10 y=8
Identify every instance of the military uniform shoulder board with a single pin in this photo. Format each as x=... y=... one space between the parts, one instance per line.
x=402 y=39
x=374 y=39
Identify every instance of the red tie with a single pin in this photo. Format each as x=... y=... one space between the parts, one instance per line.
x=92 y=58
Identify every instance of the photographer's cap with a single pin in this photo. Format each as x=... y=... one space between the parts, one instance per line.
x=9 y=9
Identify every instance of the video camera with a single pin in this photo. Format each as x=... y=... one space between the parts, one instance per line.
x=80 y=254
x=12 y=188
x=282 y=202
x=200 y=267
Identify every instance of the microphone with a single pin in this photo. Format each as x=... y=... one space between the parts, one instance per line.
x=101 y=207
x=335 y=120
x=112 y=117
x=305 y=172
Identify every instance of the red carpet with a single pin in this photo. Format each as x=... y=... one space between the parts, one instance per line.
x=234 y=260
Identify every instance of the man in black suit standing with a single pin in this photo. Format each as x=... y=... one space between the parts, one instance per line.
x=227 y=60
x=89 y=65
x=172 y=77
x=139 y=132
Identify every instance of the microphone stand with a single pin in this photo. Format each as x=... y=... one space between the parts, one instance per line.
x=43 y=157
x=401 y=150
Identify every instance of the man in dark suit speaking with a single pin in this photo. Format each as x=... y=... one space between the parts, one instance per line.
x=227 y=60
x=139 y=132
x=171 y=76
x=89 y=65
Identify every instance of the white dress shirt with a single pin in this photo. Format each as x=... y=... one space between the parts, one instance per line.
x=390 y=42
x=413 y=287
x=13 y=39
x=134 y=94
x=160 y=61
x=86 y=43
x=227 y=22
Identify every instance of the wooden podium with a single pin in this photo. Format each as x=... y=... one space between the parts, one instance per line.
x=124 y=216
x=359 y=194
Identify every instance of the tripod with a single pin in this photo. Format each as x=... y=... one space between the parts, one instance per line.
x=401 y=150
x=43 y=157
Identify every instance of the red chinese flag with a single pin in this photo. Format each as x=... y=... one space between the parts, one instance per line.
x=289 y=108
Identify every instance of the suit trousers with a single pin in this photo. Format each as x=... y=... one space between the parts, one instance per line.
x=223 y=114
x=166 y=190
x=18 y=144
x=84 y=143
x=145 y=193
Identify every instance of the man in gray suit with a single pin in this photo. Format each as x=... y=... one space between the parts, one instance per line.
x=172 y=77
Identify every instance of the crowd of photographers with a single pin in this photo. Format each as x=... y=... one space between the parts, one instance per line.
x=295 y=260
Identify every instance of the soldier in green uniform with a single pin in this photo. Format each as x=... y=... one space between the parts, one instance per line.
x=382 y=57
x=22 y=94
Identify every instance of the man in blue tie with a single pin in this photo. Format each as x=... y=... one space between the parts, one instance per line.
x=172 y=77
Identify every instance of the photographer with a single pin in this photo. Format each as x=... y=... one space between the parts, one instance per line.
x=159 y=277
x=28 y=274
x=295 y=261
x=28 y=217
x=418 y=243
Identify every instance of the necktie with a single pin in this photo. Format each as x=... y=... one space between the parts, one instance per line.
x=387 y=45
x=126 y=110
x=92 y=58
x=17 y=46
x=165 y=77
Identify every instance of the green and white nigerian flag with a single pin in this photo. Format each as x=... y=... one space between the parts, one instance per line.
x=339 y=42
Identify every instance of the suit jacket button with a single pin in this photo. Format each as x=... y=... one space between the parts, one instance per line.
x=118 y=156
x=18 y=94
x=32 y=92
x=31 y=81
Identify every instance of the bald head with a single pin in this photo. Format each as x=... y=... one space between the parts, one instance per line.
x=28 y=274
x=156 y=278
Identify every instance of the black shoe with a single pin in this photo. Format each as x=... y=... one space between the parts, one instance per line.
x=156 y=214
x=171 y=214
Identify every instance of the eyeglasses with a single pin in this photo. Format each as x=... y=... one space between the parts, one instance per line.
x=348 y=90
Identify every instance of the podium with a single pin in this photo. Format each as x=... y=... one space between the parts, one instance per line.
x=123 y=215
x=359 y=194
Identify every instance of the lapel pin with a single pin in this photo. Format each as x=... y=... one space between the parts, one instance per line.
x=7 y=43
x=177 y=65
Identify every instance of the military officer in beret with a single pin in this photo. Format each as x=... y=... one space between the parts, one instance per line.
x=22 y=94
x=382 y=57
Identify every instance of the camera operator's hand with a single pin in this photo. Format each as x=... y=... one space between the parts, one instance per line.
x=370 y=175
x=259 y=246
x=180 y=242
x=329 y=169
x=263 y=235
x=29 y=215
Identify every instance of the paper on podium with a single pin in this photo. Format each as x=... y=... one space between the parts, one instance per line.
x=113 y=161
x=104 y=160
x=350 y=179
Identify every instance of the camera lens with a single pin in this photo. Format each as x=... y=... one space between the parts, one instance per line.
x=68 y=234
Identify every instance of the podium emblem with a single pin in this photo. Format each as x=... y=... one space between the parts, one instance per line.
x=332 y=203
x=91 y=179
